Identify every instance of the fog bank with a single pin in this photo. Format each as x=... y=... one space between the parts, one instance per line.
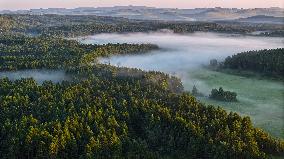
x=181 y=52
x=182 y=56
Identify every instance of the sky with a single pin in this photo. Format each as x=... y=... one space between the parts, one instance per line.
x=28 y=4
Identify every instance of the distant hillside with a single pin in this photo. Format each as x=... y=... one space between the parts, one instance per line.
x=167 y=14
x=263 y=19
x=82 y=25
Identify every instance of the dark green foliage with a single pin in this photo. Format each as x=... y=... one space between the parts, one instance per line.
x=20 y=52
x=222 y=95
x=110 y=112
x=269 y=62
x=110 y=116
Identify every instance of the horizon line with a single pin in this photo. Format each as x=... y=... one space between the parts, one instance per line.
x=26 y=9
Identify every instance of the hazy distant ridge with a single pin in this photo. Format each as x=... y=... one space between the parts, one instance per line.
x=168 y=14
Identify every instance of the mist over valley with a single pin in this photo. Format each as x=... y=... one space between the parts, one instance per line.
x=141 y=82
x=185 y=55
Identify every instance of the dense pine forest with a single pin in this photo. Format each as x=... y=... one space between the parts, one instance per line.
x=105 y=111
x=21 y=52
x=269 y=62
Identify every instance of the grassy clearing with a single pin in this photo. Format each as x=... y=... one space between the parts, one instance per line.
x=261 y=99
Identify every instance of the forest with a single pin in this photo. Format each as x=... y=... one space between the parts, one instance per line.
x=106 y=111
x=80 y=25
x=19 y=52
x=268 y=62
x=111 y=112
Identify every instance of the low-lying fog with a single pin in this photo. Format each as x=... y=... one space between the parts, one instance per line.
x=182 y=52
x=38 y=75
x=183 y=55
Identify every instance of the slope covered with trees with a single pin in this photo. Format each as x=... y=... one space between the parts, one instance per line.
x=80 y=25
x=111 y=112
x=21 y=52
x=108 y=116
x=270 y=62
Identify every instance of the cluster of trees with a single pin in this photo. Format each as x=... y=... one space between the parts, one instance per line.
x=222 y=95
x=79 y=25
x=264 y=29
x=108 y=115
x=216 y=94
x=22 y=52
x=270 y=62
x=116 y=49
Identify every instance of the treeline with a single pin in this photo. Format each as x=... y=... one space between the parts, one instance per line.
x=270 y=62
x=88 y=29
x=116 y=49
x=22 y=52
x=80 y=25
